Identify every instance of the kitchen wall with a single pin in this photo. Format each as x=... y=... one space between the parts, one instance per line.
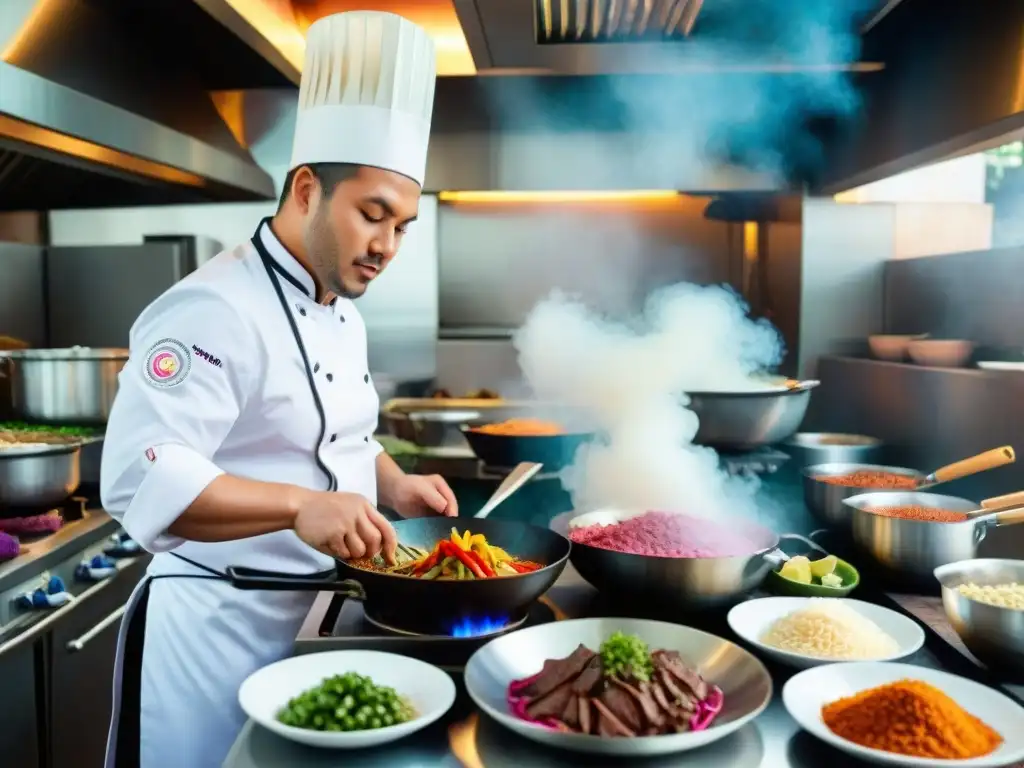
x=497 y=260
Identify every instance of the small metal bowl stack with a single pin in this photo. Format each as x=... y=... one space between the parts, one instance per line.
x=994 y=635
x=810 y=448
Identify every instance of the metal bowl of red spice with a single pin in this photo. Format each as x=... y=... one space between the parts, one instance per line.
x=909 y=535
x=826 y=486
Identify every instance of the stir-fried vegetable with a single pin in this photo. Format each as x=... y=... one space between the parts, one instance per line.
x=466 y=556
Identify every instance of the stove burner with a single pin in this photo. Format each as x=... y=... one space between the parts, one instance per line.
x=465 y=628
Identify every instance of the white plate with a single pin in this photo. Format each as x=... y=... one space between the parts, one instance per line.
x=807 y=692
x=752 y=618
x=745 y=682
x=429 y=689
x=1000 y=365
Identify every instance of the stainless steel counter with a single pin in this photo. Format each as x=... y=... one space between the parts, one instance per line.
x=467 y=738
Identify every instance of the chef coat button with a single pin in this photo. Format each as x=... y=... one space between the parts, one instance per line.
x=330 y=377
x=366 y=378
x=316 y=367
x=302 y=311
x=366 y=439
x=333 y=438
x=342 y=318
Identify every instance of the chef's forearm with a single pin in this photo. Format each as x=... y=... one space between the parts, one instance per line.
x=231 y=508
x=389 y=475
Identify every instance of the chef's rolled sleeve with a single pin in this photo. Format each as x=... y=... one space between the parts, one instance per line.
x=193 y=360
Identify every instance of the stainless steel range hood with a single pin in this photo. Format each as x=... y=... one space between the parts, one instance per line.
x=595 y=37
x=100 y=108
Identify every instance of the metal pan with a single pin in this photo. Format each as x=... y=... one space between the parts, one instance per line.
x=553 y=451
x=825 y=500
x=683 y=583
x=743 y=421
x=416 y=606
x=913 y=549
x=38 y=476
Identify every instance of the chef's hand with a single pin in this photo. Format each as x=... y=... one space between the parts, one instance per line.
x=345 y=525
x=421 y=495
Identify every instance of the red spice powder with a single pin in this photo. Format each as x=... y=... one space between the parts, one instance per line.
x=925 y=514
x=869 y=478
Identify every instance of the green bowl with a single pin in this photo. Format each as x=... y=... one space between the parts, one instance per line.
x=780 y=585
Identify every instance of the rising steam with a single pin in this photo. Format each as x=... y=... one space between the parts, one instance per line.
x=629 y=377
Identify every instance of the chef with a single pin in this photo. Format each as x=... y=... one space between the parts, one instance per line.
x=242 y=431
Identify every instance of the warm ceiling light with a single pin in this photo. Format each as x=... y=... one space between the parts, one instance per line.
x=562 y=196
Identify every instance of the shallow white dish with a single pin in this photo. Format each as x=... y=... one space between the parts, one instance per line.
x=752 y=618
x=430 y=691
x=744 y=680
x=1000 y=365
x=807 y=692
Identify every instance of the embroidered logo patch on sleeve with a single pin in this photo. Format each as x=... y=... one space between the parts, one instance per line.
x=167 y=363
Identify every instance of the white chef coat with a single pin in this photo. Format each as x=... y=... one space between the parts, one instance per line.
x=241 y=396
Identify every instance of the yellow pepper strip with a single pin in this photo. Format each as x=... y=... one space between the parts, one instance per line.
x=466 y=539
x=500 y=553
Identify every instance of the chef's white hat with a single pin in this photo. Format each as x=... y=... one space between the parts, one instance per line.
x=367 y=93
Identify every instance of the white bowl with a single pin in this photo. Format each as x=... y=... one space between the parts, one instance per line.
x=752 y=618
x=891 y=347
x=429 y=689
x=941 y=353
x=807 y=692
x=743 y=679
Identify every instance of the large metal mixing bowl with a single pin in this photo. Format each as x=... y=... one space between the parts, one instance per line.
x=37 y=476
x=743 y=421
x=825 y=500
x=994 y=635
x=64 y=386
x=913 y=549
x=678 y=583
x=430 y=429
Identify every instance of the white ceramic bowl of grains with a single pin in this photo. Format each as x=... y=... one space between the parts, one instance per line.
x=805 y=632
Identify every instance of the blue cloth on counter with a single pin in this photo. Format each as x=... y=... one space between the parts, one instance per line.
x=98 y=568
x=53 y=595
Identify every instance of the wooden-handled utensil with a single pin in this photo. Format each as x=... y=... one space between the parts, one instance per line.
x=997 y=457
x=516 y=480
x=1006 y=500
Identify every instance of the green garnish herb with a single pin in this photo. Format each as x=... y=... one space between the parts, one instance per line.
x=626 y=656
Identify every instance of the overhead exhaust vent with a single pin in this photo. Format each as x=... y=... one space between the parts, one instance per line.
x=615 y=21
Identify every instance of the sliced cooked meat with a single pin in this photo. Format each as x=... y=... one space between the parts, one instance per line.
x=677 y=696
x=571 y=713
x=645 y=702
x=671 y=661
x=658 y=691
x=590 y=677
x=621 y=704
x=608 y=724
x=558 y=671
x=585 y=714
x=551 y=705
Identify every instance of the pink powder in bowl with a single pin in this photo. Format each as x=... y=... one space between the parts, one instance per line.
x=668 y=534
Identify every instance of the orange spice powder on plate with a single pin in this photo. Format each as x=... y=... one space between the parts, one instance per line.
x=910 y=717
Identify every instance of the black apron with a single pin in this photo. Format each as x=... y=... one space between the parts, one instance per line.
x=124 y=738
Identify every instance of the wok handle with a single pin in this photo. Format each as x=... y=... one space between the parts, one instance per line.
x=1006 y=500
x=253 y=578
x=997 y=457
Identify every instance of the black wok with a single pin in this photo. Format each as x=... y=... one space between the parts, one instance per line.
x=436 y=607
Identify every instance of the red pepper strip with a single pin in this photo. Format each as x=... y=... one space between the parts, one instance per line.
x=466 y=557
x=482 y=564
x=429 y=563
x=524 y=567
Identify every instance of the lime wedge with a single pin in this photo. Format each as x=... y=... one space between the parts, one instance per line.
x=797 y=569
x=822 y=568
